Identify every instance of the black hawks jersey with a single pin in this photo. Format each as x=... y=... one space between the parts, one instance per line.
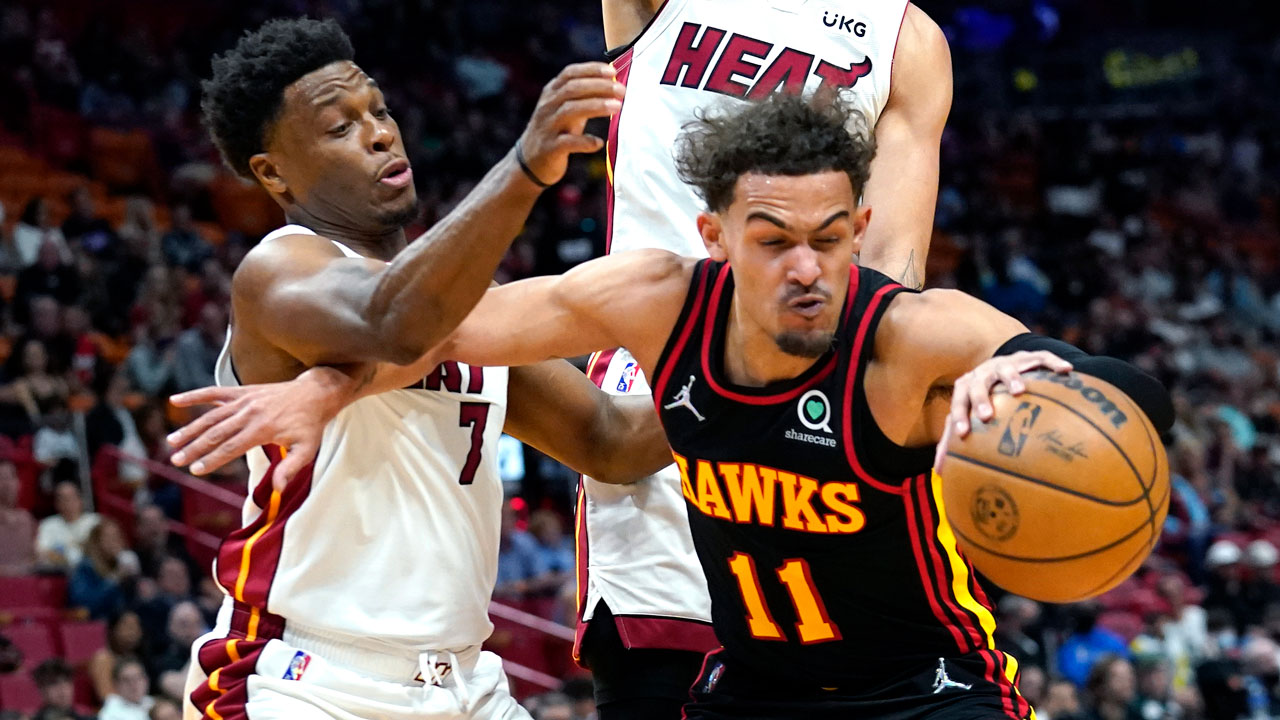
x=822 y=541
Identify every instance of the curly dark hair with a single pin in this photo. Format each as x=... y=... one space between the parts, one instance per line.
x=783 y=134
x=242 y=100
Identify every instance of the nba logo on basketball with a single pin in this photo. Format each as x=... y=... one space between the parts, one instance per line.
x=297 y=666
x=628 y=378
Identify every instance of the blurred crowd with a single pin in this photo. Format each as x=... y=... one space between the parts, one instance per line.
x=1149 y=235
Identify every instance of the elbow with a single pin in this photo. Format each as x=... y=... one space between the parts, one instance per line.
x=400 y=338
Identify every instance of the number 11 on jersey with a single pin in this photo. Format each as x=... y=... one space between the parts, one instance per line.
x=812 y=624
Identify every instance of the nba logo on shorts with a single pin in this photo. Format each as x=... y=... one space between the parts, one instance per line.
x=629 y=372
x=297 y=666
x=713 y=678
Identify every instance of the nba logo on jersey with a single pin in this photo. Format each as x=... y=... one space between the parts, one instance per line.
x=297 y=666
x=628 y=378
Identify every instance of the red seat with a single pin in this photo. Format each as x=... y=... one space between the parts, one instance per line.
x=1127 y=625
x=19 y=692
x=34 y=640
x=33 y=591
x=80 y=640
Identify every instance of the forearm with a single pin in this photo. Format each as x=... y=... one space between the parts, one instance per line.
x=629 y=440
x=433 y=283
x=1145 y=391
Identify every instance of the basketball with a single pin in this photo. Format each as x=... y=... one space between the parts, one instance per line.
x=1062 y=495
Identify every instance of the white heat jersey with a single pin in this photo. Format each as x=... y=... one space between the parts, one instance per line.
x=635 y=549
x=699 y=54
x=389 y=541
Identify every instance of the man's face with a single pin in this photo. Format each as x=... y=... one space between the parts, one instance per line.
x=131 y=683
x=336 y=151
x=59 y=694
x=790 y=241
x=66 y=499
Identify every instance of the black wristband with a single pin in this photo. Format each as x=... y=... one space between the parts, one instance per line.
x=525 y=167
x=1144 y=390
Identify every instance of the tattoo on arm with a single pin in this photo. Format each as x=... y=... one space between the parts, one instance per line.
x=911 y=275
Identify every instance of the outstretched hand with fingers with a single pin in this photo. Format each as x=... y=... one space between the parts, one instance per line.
x=558 y=127
x=291 y=414
x=972 y=393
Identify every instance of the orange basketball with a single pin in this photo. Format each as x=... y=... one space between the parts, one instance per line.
x=1062 y=495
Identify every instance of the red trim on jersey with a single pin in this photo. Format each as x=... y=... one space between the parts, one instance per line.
x=713 y=316
x=923 y=569
x=665 y=633
x=896 y=38
x=668 y=362
x=622 y=69
x=228 y=664
x=248 y=558
x=1006 y=690
x=598 y=366
x=863 y=324
x=926 y=510
x=582 y=559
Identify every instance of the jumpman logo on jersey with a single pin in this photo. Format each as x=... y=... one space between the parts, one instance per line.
x=682 y=400
x=942 y=682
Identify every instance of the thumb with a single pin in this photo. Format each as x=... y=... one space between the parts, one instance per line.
x=299 y=456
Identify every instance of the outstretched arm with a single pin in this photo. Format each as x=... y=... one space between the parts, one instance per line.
x=300 y=295
x=903 y=188
x=612 y=438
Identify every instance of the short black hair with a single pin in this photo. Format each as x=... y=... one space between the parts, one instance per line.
x=53 y=670
x=783 y=134
x=242 y=100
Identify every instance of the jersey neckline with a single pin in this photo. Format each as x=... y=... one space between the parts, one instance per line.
x=713 y=343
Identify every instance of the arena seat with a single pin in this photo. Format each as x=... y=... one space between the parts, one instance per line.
x=1127 y=625
x=80 y=640
x=243 y=207
x=19 y=692
x=35 y=640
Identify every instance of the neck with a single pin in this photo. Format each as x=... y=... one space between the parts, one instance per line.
x=380 y=245
x=753 y=359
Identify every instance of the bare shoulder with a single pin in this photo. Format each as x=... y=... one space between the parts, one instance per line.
x=642 y=270
x=920 y=36
x=624 y=20
x=268 y=262
x=939 y=323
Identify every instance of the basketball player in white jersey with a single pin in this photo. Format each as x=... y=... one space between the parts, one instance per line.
x=361 y=588
x=645 y=612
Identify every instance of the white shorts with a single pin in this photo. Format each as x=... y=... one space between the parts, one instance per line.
x=303 y=677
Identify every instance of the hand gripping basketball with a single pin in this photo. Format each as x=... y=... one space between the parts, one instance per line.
x=558 y=126
x=972 y=393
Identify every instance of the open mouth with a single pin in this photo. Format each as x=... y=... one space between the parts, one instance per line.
x=808 y=306
x=396 y=174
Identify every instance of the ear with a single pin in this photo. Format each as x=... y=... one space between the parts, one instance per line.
x=861 y=217
x=712 y=231
x=268 y=173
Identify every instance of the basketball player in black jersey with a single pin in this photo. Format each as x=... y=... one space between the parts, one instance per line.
x=803 y=399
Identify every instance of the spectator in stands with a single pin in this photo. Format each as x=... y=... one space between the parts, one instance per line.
x=186 y=625
x=182 y=245
x=35 y=390
x=153 y=542
x=165 y=709
x=1016 y=615
x=1185 y=632
x=520 y=565
x=555 y=548
x=1155 y=699
x=198 y=349
x=84 y=227
x=33 y=230
x=78 y=329
x=1260 y=658
x=1061 y=702
x=1088 y=644
x=109 y=422
x=17 y=526
x=46 y=325
x=124 y=642
x=130 y=700
x=61 y=537
x=51 y=275
x=56 y=446
x=208 y=597
x=104 y=579
x=54 y=679
x=157 y=598
x=150 y=364
x=1110 y=688
x=1032 y=682
x=10 y=260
